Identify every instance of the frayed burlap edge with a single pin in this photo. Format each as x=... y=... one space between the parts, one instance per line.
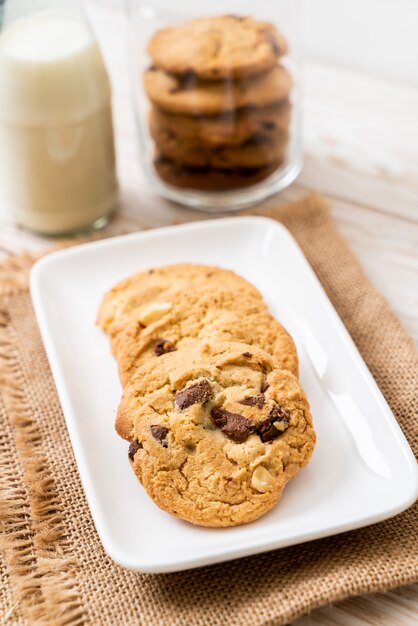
x=15 y=267
x=32 y=535
x=14 y=272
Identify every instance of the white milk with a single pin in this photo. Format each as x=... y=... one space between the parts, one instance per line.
x=57 y=164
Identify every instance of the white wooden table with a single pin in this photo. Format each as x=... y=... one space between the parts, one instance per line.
x=361 y=148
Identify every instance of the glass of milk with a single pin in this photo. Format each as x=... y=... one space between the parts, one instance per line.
x=57 y=159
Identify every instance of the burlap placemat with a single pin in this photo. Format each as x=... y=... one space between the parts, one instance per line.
x=54 y=569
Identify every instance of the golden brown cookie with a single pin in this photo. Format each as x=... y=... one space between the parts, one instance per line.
x=208 y=314
x=217 y=47
x=135 y=296
x=216 y=432
x=233 y=128
x=256 y=152
x=210 y=179
x=192 y=96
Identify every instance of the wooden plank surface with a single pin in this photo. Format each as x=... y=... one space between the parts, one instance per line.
x=361 y=148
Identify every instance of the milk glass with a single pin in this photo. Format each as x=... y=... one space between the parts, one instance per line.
x=57 y=160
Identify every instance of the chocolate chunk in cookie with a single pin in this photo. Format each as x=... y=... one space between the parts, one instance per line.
x=276 y=423
x=134 y=446
x=162 y=346
x=232 y=425
x=200 y=392
x=258 y=401
x=160 y=433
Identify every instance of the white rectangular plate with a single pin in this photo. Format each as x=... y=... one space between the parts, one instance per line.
x=362 y=470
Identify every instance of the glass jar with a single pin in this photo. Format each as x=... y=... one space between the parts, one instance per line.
x=57 y=160
x=216 y=89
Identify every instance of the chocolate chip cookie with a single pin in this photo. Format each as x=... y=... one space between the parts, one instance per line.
x=257 y=151
x=217 y=47
x=228 y=129
x=144 y=296
x=210 y=178
x=210 y=315
x=190 y=95
x=215 y=432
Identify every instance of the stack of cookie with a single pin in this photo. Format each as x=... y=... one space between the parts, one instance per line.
x=220 y=110
x=212 y=408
